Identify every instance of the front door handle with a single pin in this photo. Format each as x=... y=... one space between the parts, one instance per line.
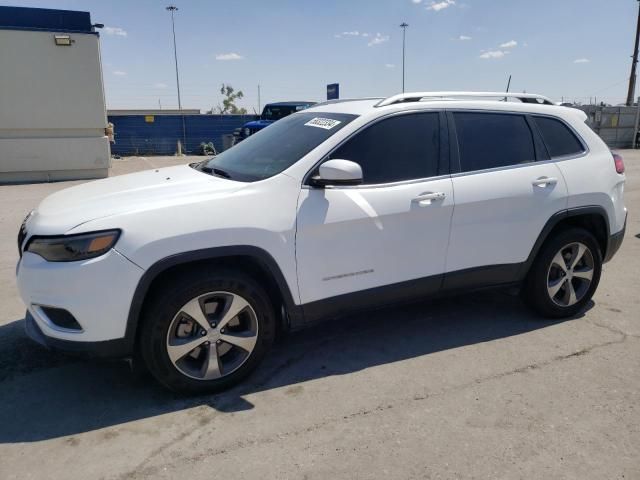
x=428 y=197
x=543 y=182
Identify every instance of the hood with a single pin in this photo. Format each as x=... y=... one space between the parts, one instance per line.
x=150 y=189
x=257 y=124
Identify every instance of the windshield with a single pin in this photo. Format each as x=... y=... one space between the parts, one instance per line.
x=277 y=147
x=273 y=112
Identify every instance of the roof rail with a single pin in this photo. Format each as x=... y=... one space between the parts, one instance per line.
x=502 y=96
x=344 y=100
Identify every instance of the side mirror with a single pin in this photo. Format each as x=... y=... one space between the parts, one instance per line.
x=338 y=172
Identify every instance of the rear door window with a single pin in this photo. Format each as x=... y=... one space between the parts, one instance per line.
x=558 y=138
x=490 y=140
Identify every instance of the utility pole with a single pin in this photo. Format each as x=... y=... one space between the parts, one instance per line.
x=259 y=98
x=173 y=9
x=404 y=26
x=632 y=77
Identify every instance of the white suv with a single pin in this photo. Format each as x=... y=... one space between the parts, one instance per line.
x=347 y=205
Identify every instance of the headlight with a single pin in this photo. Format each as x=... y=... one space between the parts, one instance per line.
x=247 y=132
x=71 y=248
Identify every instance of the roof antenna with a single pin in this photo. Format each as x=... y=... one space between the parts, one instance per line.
x=508 y=85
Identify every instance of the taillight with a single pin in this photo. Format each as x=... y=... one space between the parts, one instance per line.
x=617 y=159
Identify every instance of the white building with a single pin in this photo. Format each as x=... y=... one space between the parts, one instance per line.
x=52 y=111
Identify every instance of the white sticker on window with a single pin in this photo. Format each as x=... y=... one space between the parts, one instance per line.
x=326 y=123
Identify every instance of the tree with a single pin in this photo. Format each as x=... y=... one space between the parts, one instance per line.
x=228 y=102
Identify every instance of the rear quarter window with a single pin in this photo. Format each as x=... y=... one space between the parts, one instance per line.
x=558 y=138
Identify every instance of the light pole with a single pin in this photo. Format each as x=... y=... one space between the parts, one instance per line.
x=634 y=62
x=404 y=26
x=173 y=9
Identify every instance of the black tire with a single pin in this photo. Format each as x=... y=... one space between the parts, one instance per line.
x=536 y=289
x=159 y=316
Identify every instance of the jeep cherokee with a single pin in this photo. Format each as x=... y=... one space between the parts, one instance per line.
x=343 y=206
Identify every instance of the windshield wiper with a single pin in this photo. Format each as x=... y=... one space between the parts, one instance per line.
x=197 y=165
x=221 y=173
x=216 y=171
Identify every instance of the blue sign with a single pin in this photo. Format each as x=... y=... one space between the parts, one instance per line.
x=333 y=91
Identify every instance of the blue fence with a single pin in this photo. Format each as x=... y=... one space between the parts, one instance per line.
x=137 y=135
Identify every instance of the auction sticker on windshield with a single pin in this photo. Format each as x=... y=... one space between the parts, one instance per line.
x=326 y=123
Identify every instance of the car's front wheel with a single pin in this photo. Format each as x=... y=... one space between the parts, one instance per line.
x=565 y=274
x=206 y=332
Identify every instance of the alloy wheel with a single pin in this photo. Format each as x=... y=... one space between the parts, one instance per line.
x=570 y=274
x=212 y=335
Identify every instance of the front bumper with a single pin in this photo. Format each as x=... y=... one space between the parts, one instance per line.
x=118 y=348
x=96 y=292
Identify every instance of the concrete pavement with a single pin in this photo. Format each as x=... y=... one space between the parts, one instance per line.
x=473 y=386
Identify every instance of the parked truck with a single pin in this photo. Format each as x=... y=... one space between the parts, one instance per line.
x=271 y=113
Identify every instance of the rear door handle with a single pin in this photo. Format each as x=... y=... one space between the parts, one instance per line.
x=428 y=197
x=543 y=182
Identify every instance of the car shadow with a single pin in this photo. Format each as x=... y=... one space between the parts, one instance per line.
x=48 y=395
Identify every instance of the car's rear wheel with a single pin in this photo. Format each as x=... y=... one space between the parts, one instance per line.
x=207 y=332
x=565 y=274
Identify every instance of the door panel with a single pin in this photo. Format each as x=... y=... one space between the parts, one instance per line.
x=499 y=214
x=505 y=193
x=352 y=239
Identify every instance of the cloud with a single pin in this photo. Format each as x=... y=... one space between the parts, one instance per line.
x=160 y=85
x=509 y=44
x=416 y=1
x=493 y=54
x=352 y=33
x=119 y=73
x=581 y=60
x=372 y=39
x=464 y=37
x=390 y=65
x=115 y=31
x=378 y=39
x=229 y=56
x=437 y=6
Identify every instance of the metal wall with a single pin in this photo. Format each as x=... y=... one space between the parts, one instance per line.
x=159 y=134
x=615 y=125
x=52 y=112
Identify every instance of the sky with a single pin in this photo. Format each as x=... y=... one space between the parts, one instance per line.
x=566 y=49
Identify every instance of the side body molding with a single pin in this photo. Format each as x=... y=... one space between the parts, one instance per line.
x=473 y=278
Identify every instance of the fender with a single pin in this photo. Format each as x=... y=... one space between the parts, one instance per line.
x=555 y=219
x=294 y=312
